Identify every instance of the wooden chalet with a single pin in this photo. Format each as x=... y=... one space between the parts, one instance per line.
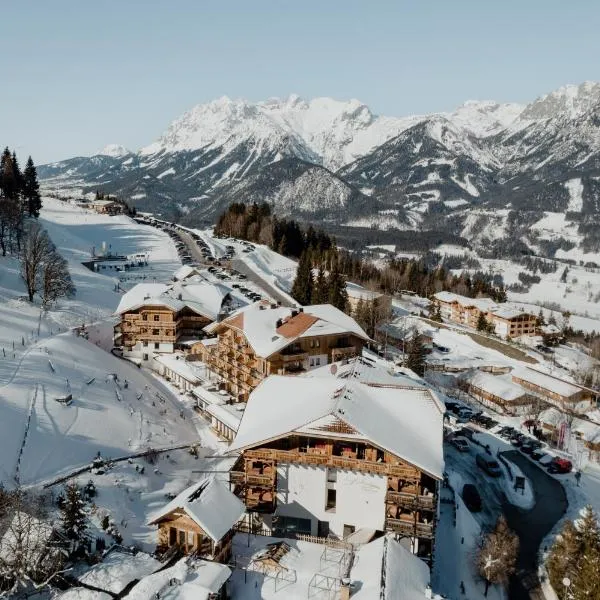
x=156 y=317
x=200 y=521
x=555 y=390
x=497 y=392
x=263 y=339
x=325 y=456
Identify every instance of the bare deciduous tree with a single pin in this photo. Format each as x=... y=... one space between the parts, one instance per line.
x=497 y=555
x=55 y=279
x=36 y=248
x=43 y=269
x=29 y=555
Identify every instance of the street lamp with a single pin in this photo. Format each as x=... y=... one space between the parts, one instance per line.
x=567 y=583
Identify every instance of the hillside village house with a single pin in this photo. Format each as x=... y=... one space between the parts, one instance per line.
x=556 y=391
x=156 y=317
x=332 y=456
x=264 y=339
x=508 y=322
x=106 y=207
x=498 y=392
x=200 y=521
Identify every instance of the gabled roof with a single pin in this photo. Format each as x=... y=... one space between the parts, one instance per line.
x=269 y=330
x=204 y=298
x=209 y=504
x=405 y=420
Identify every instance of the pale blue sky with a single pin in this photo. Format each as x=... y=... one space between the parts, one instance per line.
x=79 y=74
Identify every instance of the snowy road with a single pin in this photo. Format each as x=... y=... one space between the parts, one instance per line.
x=533 y=525
x=530 y=525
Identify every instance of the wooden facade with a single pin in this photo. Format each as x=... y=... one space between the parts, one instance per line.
x=155 y=325
x=235 y=360
x=178 y=529
x=410 y=501
x=512 y=406
x=577 y=395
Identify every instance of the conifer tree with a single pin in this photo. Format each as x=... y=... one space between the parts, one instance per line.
x=320 y=294
x=564 y=555
x=482 y=324
x=336 y=285
x=73 y=517
x=302 y=288
x=415 y=355
x=31 y=190
x=9 y=180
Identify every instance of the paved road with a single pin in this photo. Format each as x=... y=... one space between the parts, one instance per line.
x=533 y=525
x=242 y=267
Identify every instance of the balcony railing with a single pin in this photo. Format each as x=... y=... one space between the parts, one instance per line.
x=338 y=462
x=410 y=528
x=252 y=478
x=410 y=500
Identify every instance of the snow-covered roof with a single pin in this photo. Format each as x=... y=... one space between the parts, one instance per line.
x=226 y=414
x=360 y=293
x=502 y=311
x=204 y=298
x=501 y=386
x=483 y=304
x=118 y=569
x=179 y=366
x=187 y=579
x=405 y=420
x=209 y=504
x=259 y=323
x=184 y=272
x=557 y=386
x=508 y=312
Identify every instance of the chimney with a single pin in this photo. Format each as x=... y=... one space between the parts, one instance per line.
x=301 y=309
x=294 y=313
x=180 y=296
x=278 y=323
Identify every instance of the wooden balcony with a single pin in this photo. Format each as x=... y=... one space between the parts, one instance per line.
x=336 y=462
x=253 y=479
x=291 y=356
x=410 y=500
x=409 y=528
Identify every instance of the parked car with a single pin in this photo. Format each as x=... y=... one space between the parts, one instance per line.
x=489 y=465
x=471 y=497
x=465 y=432
x=460 y=444
x=442 y=349
x=538 y=454
x=560 y=465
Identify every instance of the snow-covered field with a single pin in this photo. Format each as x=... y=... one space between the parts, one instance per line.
x=42 y=360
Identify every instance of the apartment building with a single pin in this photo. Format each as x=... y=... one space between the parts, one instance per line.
x=330 y=456
x=264 y=339
x=508 y=321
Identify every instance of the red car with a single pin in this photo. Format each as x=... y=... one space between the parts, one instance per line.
x=560 y=465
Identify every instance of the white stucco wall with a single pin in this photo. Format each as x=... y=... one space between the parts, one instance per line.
x=360 y=497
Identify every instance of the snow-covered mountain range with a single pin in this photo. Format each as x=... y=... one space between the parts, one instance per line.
x=339 y=162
